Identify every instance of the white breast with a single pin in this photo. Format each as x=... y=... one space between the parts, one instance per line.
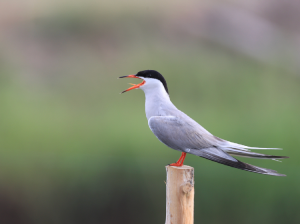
x=157 y=99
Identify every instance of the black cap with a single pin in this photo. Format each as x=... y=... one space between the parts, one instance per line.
x=154 y=75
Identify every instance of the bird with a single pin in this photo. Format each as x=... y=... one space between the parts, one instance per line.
x=180 y=132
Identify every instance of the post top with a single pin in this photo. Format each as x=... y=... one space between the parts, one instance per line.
x=184 y=167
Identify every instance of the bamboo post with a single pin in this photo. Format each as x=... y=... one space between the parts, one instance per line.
x=180 y=195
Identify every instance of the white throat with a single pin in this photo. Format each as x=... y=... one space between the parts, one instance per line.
x=158 y=102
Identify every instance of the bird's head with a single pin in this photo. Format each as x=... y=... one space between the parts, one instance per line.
x=151 y=80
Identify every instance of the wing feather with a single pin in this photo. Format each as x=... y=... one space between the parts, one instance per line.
x=180 y=134
x=216 y=155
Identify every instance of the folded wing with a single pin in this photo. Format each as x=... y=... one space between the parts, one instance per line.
x=188 y=136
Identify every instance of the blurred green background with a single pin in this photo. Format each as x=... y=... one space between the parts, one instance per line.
x=73 y=150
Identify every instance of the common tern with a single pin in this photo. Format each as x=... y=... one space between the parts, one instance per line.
x=180 y=132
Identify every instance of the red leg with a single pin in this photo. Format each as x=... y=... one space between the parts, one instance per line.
x=180 y=161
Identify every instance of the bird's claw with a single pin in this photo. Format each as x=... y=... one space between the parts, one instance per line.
x=176 y=164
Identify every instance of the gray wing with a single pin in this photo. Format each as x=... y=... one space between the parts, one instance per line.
x=216 y=155
x=188 y=137
x=180 y=134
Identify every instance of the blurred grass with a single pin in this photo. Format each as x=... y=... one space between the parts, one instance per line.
x=75 y=151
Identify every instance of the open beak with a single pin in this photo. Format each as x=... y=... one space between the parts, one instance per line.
x=135 y=86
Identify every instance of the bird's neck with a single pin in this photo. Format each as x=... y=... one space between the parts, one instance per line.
x=158 y=103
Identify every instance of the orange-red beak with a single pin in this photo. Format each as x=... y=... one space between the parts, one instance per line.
x=134 y=85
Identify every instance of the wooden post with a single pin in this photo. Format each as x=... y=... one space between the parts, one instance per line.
x=180 y=195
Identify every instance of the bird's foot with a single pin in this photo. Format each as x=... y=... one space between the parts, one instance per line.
x=180 y=161
x=176 y=164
